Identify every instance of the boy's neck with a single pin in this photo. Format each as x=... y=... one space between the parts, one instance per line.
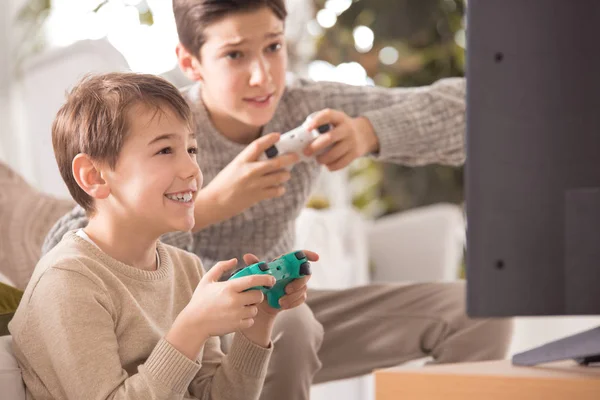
x=134 y=248
x=232 y=129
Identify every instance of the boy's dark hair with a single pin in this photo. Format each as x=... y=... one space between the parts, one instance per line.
x=94 y=120
x=193 y=16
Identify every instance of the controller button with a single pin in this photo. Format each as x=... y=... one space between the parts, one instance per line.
x=299 y=255
x=263 y=266
x=305 y=268
x=324 y=128
x=271 y=152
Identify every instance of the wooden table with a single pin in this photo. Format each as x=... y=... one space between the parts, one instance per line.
x=489 y=380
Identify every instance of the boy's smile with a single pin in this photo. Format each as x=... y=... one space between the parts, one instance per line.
x=185 y=198
x=260 y=101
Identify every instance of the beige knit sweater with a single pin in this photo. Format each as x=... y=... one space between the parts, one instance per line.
x=91 y=327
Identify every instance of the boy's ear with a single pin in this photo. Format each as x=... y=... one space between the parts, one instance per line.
x=89 y=177
x=188 y=63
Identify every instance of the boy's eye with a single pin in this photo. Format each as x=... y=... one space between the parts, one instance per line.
x=234 y=55
x=166 y=150
x=274 y=47
x=193 y=150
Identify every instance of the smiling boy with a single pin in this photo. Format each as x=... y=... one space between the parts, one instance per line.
x=113 y=313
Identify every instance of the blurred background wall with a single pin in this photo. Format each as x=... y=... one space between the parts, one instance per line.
x=362 y=42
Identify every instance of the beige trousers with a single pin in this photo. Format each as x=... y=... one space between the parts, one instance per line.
x=345 y=333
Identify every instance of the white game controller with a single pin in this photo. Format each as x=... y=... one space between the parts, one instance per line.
x=296 y=140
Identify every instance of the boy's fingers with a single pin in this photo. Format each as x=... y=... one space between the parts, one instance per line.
x=335 y=153
x=297 y=284
x=341 y=163
x=311 y=255
x=292 y=303
x=326 y=116
x=275 y=179
x=277 y=163
x=324 y=141
x=250 y=258
x=247 y=282
x=250 y=312
x=253 y=151
x=251 y=297
x=291 y=298
x=215 y=273
x=292 y=289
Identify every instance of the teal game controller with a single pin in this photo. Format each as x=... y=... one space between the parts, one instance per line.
x=285 y=269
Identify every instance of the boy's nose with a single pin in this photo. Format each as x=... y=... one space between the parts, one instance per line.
x=189 y=168
x=200 y=178
x=259 y=73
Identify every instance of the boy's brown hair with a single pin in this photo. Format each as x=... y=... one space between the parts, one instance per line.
x=193 y=16
x=94 y=120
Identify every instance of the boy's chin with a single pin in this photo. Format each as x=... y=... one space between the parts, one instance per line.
x=258 y=119
x=184 y=225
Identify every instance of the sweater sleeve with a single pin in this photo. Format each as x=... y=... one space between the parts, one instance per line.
x=414 y=125
x=67 y=339
x=238 y=375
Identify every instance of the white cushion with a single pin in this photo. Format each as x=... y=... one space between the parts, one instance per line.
x=338 y=235
x=11 y=381
x=419 y=245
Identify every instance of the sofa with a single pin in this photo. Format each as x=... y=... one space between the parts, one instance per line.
x=26 y=216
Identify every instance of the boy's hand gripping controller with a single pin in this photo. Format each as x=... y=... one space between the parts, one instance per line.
x=285 y=269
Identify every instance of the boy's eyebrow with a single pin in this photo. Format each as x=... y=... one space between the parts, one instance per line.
x=271 y=35
x=192 y=135
x=237 y=42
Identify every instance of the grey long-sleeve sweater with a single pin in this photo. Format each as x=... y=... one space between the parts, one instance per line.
x=415 y=126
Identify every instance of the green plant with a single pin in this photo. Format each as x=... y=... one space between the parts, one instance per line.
x=426 y=34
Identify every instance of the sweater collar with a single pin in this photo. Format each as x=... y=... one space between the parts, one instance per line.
x=164 y=268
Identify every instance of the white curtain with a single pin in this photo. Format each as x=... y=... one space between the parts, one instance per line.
x=5 y=68
x=13 y=141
